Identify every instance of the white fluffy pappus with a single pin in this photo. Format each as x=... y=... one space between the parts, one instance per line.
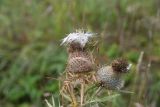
x=78 y=37
x=129 y=66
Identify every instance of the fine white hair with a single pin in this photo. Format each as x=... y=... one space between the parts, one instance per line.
x=77 y=37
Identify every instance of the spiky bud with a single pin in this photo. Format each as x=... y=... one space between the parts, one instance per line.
x=111 y=76
x=109 y=79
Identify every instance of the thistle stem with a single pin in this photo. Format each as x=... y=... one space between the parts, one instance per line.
x=82 y=93
x=74 y=102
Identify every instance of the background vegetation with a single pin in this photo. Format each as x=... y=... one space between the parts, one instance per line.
x=30 y=54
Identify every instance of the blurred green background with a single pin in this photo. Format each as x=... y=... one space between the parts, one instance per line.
x=31 y=55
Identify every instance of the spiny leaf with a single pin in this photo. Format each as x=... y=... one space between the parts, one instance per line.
x=103 y=99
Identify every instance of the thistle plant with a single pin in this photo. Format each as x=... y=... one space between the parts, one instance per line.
x=80 y=66
x=82 y=79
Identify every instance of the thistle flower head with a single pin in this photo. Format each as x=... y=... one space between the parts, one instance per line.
x=120 y=65
x=80 y=38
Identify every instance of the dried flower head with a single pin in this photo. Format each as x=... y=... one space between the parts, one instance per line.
x=79 y=37
x=109 y=79
x=120 y=65
x=79 y=59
